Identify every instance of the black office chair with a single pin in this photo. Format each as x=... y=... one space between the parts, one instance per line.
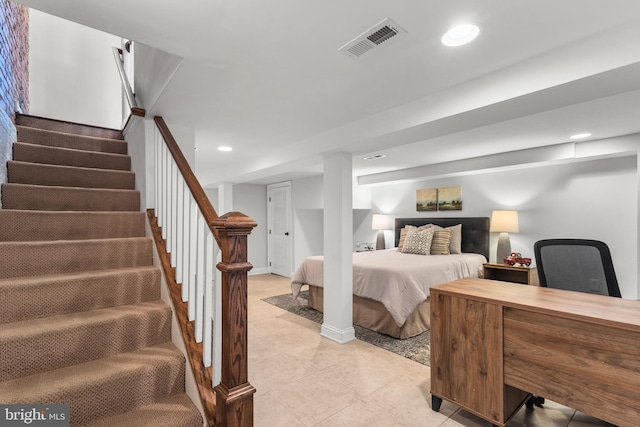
x=580 y=265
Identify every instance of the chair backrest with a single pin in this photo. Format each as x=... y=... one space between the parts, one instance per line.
x=576 y=265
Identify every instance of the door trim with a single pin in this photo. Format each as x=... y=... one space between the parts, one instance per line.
x=270 y=187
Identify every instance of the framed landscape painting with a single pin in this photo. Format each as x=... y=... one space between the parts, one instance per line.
x=450 y=198
x=427 y=199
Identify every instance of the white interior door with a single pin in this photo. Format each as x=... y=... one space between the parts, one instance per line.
x=279 y=222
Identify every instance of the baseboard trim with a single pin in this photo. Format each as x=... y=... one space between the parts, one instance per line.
x=341 y=336
x=255 y=271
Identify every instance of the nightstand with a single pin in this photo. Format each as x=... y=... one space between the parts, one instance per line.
x=511 y=273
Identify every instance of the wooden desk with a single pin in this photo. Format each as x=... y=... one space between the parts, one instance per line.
x=490 y=340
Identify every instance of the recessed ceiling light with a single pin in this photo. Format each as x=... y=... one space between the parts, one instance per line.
x=225 y=148
x=461 y=34
x=580 y=135
x=375 y=157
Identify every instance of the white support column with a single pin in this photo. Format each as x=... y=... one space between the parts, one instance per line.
x=225 y=198
x=338 y=248
x=637 y=296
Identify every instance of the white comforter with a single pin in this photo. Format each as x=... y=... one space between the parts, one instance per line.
x=398 y=280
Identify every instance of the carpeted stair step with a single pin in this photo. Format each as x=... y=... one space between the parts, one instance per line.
x=104 y=387
x=25 y=298
x=49 y=198
x=21 y=259
x=25 y=225
x=176 y=411
x=67 y=127
x=68 y=176
x=38 y=345
x=69 y=140
x=81 y=320
x=34 y=153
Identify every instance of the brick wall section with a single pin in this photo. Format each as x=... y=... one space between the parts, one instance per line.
x=14 y=74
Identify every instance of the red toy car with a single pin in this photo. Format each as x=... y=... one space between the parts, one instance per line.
x=516 y=258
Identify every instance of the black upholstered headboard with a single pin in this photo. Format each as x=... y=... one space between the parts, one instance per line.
x=475 y=231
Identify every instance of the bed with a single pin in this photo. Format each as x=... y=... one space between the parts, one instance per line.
x=391 y=288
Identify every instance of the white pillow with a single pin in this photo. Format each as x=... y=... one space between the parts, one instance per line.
x=455 y=245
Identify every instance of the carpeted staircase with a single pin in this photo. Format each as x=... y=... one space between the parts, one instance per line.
x=81 y=320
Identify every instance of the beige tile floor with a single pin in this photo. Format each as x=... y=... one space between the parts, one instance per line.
x=303 y=379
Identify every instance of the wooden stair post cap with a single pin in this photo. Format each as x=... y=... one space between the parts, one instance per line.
x=234 y=220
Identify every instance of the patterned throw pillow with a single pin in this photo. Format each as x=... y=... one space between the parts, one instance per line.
x=406 y=229
x=440 y=242
x=403 y=235
x=418 y=242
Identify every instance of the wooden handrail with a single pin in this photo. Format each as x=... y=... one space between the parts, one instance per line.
x=207 y=209
x=131 y=99
x=234 y=394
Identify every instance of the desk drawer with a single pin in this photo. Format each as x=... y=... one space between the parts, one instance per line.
x=590 y=367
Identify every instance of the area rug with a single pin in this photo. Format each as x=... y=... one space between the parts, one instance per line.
x=414 y=348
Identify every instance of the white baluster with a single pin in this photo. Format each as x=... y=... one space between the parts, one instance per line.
x=186 y=241
x=199 y=296
x=217 y=323
x=171 y=198
x=193 y=253
x=165 y=186
x=174 y=213
x=207 y=318
x=179 y=228
x=207 y=305
x=195 y=294
x=156 y=169
x=160 y=183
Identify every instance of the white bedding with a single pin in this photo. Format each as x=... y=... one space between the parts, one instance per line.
x=400 y=281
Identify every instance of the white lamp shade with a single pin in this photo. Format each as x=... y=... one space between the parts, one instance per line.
x=504 y=221
x=381 y=222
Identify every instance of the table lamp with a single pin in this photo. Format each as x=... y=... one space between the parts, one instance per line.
x=504 y=222
x=381 y=222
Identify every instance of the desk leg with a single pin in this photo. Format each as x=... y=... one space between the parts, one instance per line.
x=435 y=403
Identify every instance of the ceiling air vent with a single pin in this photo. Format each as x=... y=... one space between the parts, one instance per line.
x=375 y=157
x=373 y=37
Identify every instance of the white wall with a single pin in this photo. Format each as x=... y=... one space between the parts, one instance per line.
x=595 y=199
x=154 y=68
x=307 y=201
x=308 y=230
x=592 y=199
x=73 y=74
x=251 y=200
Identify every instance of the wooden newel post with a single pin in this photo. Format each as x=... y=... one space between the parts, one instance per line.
x=234 y=394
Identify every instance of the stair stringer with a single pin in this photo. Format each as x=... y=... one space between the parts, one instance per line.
x=191 y=387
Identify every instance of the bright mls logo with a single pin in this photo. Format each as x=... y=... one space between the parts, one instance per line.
x=34 y=415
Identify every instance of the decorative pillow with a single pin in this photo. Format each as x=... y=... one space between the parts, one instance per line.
x=418 y=242
x=440 y=242
x=405 y=229
x=455 y=245
x=403 y=235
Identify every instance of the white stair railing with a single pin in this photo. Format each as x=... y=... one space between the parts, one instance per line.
x=190 y=243
x=211 y=304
